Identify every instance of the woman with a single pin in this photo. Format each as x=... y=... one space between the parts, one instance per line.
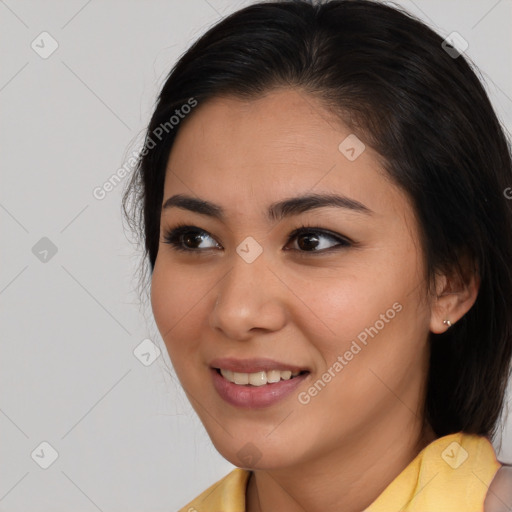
x=322 y=201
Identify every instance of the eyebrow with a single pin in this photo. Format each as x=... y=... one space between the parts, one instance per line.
x=276 y=211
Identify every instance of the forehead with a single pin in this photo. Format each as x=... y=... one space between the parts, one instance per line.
x=285 y=123
x=286 y=143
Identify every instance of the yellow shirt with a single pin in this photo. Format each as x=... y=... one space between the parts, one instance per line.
x=451 y=474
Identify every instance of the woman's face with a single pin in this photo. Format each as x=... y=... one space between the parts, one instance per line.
x=344 y=302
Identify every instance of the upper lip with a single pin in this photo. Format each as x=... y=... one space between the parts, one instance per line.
x=253 y=365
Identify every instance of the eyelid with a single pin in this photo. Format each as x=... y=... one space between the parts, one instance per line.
x=325 y=232
x=173 y=234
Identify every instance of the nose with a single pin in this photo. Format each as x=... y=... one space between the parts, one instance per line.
x=250 y=299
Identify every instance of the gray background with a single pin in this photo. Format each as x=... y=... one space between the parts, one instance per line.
x=126 y=437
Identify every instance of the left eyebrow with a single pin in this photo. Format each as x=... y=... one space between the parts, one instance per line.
x=276 y=211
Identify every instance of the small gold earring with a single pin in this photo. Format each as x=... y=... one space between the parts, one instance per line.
x=447 y=322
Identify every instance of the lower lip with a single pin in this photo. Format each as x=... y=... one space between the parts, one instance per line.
x=254 y=397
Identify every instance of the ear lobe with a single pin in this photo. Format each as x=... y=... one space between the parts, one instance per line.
x=455 y=295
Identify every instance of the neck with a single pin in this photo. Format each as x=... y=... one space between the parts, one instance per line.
x=351 y=477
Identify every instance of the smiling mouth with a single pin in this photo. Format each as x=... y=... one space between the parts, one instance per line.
x=257 y=379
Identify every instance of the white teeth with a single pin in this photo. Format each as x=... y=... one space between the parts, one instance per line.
x=258 y=378
x=228 y=375
x=240 y=378
x=273 y=376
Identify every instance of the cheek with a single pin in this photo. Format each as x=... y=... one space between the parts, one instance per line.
x=382 y=342
x=176 y=303
x=162 y=298
x=340 y=307
x=373 y=316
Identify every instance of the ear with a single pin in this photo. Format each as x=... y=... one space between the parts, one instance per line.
x=455 y=295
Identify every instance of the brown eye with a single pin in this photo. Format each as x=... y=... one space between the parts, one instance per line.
x=309 y=240
x=189 y=238
x=314 y=240
x=192 y=239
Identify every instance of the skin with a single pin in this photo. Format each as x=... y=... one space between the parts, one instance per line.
x=349 y=442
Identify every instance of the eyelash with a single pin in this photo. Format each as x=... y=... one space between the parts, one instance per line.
x=172 y=237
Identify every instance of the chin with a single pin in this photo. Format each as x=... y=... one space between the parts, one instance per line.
x=257 y=452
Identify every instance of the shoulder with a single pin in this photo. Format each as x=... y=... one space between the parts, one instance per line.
x=499 y=495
